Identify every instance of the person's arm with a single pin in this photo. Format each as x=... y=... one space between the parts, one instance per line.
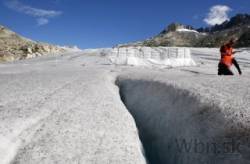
x=237 y=65
x=236 y=52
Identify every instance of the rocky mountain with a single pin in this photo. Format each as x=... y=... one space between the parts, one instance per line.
x=15 y=47
x=238 y=27
x=176 y=35
x=238 y=20
x=179 y=35
x=244 y=40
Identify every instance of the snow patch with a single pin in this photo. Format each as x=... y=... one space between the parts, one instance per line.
x=147 y=56
x=186 y=30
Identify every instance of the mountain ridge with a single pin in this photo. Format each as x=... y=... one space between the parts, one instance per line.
x=180 y=35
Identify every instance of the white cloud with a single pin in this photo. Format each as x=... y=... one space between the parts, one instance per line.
x=217 y=14
x=41 y=14
x=42 y=21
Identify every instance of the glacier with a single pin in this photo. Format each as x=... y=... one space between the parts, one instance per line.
x=101 y=106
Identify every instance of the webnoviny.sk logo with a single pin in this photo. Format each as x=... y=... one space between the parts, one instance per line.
x=223 y=146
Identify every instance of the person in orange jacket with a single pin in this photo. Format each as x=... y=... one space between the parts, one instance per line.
x=227 y=59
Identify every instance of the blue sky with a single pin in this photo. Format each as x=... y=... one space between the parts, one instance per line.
x=105 y=23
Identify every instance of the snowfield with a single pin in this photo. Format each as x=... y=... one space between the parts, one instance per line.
x=138 y=106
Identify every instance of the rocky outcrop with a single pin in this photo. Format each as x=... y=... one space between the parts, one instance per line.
x=35 y=50
x=15 y=47
x=244 y=40
x=175 y=27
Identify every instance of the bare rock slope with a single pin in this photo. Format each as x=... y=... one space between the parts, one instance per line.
x=15 y=47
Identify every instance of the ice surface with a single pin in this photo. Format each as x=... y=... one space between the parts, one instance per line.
x=169 y=113
x=8 y=149
x=67 y=108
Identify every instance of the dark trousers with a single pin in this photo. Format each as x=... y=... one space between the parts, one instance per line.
x=224 y=70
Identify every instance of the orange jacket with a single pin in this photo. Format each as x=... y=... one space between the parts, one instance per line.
x=226 y=55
